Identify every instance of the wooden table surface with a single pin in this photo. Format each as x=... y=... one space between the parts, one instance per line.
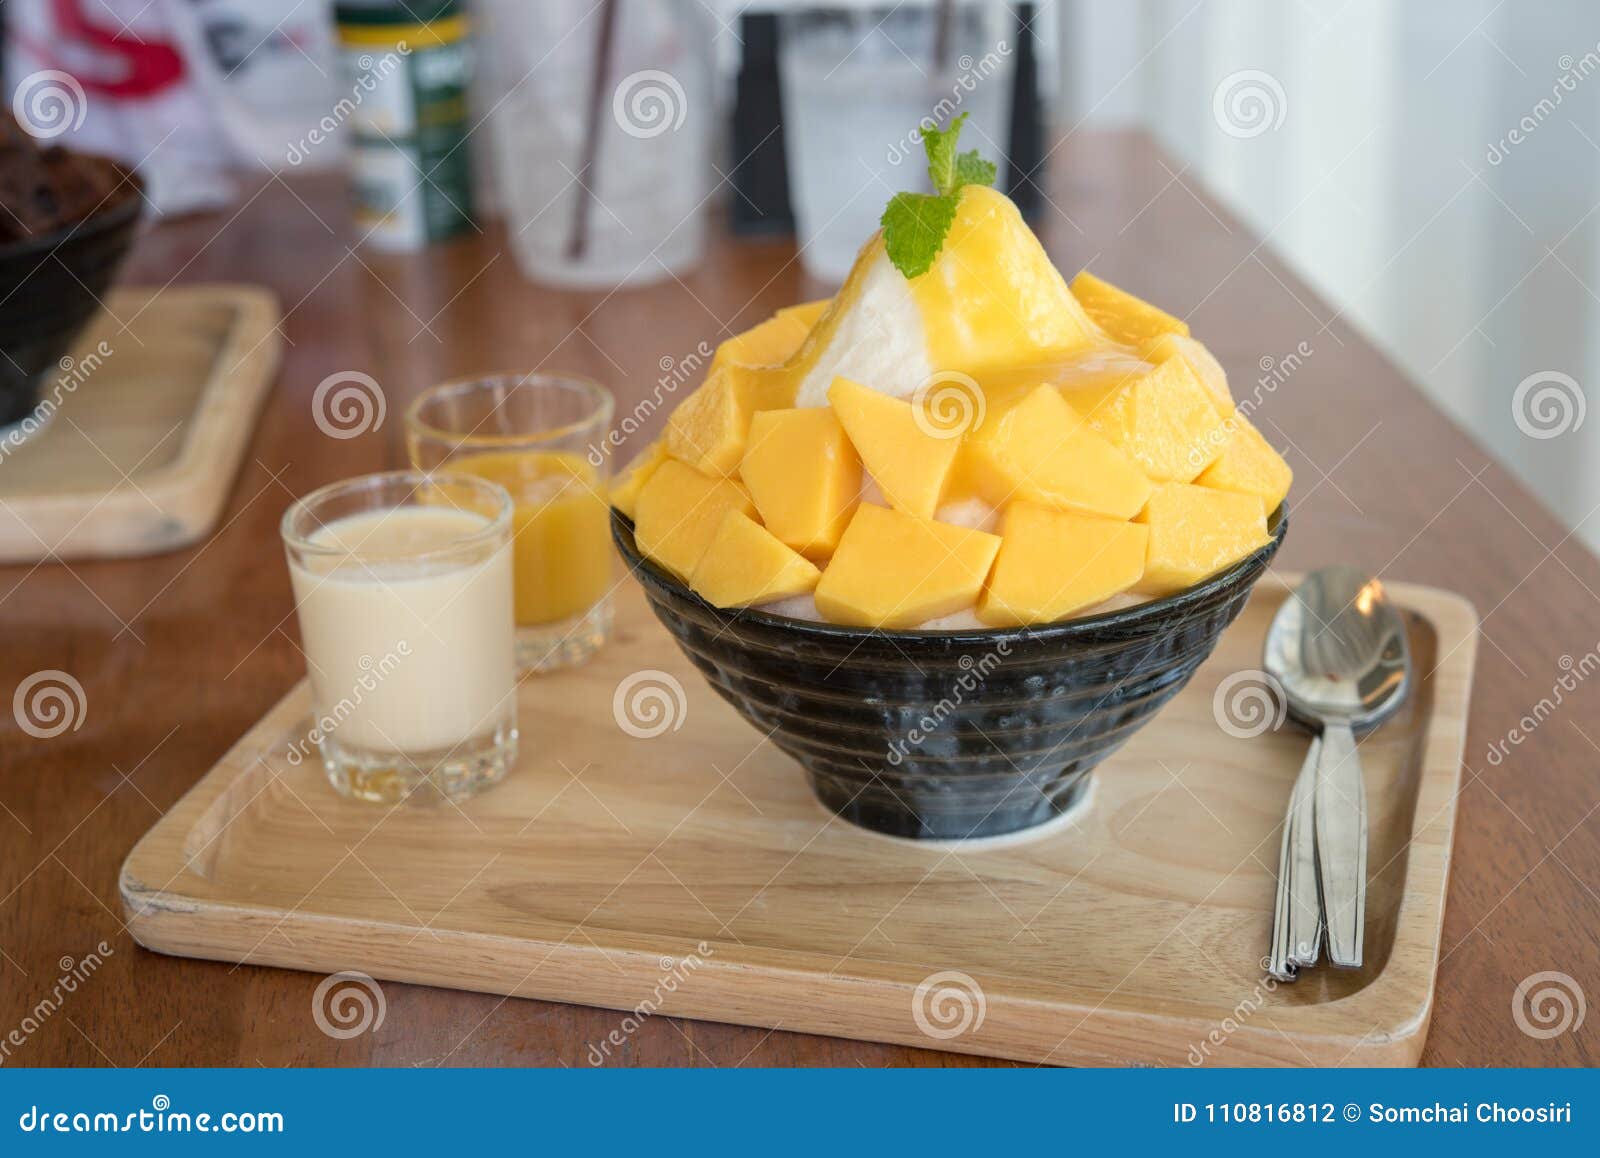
x=178 y=655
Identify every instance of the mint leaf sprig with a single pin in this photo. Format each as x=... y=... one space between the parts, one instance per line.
x=916 y=224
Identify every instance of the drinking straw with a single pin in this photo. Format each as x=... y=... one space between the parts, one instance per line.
x=578 y=241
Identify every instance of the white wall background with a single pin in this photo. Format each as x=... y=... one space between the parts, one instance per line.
x=1378 y=188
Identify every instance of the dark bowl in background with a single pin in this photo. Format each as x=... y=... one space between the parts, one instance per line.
x=946 y=735
x=51 y=286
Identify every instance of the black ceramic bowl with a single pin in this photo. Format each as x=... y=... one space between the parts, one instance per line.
x=951 y=734
x=50 y=286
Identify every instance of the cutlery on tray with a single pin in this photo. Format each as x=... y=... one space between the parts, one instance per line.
x=1338 y=649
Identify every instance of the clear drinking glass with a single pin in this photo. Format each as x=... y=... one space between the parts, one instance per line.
x=858 y=81
x=542 y=437
x=601 y=132
x=403 y=587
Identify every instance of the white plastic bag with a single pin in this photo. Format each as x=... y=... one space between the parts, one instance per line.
x=184 y=90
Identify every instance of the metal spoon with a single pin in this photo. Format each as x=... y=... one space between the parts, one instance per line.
x=1338 y=649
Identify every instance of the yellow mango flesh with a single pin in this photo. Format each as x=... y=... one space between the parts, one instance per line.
x=909 y=464
x=745 y=565
x=679 y=511
x=893 y=570
x=708 y=429
x=1196 y=532
x=1248 y=464
x=1053 y=563
x=807 y=313
x=1126 y=319
x=1165 y=420
x=803 y=475
x=992 y=297
x=771 y=343
x=1201 y=361
x=624 y=493
x=1042 y=450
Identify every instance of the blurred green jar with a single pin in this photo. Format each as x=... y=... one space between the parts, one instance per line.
x=403 y=110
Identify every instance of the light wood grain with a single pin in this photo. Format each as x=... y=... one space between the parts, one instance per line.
x=147 y=426
x=1133 y=934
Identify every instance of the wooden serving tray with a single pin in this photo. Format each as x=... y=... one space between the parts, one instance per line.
x=143 y=441
x=608 y=862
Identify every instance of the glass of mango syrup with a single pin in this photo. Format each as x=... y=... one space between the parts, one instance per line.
x=541 y=436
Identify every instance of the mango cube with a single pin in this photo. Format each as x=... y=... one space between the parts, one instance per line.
x=1201 y=360
x=678 y=513
x=1053 y=563
x=1042 y=450
x=624 y=492
x=1125 y=318
x=772 y=343
x=708 y=429
x=893 y=570
x=1196 y=532
x=1248 y=464
x=1165 y=420
x=745 y=565
x=906 y=454
x=803 y=476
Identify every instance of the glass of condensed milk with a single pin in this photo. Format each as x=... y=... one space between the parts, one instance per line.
x=403 y=588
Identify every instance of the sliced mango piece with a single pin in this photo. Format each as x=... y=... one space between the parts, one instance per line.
x=804 y=476
x=903 y=453
x=1126 y=319
x=1165 y=420
x=771 y=343
x=1052 y=563
x=1201 y=361
x=807 y=313
x=624 y=493
x=745 y=565
x=1247 y=463
x=893 y=570
x=991 y=298
x=1041 y=449
x=678 y=513
x=1196 y=532
x=708 y=429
